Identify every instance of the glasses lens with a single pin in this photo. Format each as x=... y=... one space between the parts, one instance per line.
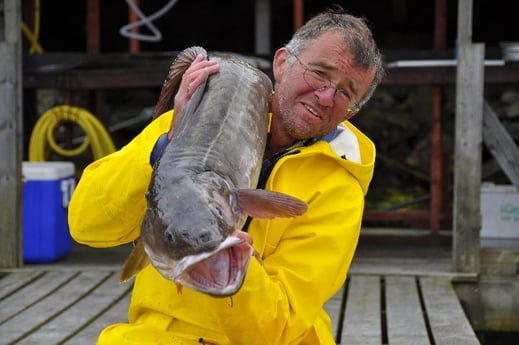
x=320 y=83
x=316 y=81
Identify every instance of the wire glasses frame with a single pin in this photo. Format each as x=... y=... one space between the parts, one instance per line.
x=317 y=81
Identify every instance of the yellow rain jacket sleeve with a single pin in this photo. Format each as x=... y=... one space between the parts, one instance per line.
x=304 y=259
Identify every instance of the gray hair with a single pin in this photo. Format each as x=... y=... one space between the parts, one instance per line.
x=358 y=40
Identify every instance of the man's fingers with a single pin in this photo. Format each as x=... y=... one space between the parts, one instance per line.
x=243 y=235
x=196 y=74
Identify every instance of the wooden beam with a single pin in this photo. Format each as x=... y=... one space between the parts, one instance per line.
x=262 y=28
x=467 y=153
x=467 y=145
x=299 y=14
x=10 y=134
x=437 y=171
x=464 y=34
x=501 y=145
x=93 y=34
x=447 y=320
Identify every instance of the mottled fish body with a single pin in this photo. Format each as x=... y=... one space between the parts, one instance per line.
x=203 y=185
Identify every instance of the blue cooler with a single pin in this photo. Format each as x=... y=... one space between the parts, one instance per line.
x=47 y=188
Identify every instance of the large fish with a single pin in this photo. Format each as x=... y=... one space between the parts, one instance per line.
x=204 y=183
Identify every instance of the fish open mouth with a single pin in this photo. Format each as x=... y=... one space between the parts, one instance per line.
x=220 y=272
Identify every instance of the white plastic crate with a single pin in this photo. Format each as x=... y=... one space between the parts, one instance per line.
x=499 y=216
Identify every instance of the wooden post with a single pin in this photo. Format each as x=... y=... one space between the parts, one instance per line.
x=92 y=21
x=262 y=27
x=437 y=166
x=467 y=145
x=10 y=134
x=299 y=14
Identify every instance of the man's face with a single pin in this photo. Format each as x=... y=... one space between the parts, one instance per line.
x=318 y=90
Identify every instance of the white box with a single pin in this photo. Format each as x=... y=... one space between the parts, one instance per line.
x=499 y=216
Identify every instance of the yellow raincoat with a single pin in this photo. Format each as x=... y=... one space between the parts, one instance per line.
x=305 y=259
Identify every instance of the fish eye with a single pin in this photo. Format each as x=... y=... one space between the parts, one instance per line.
x=219 y=211
x=168 y=236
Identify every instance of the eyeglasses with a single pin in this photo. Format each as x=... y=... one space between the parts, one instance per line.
x=317 y=80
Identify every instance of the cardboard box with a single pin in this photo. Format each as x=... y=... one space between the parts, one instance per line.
x=47 y=188
x=499 y=216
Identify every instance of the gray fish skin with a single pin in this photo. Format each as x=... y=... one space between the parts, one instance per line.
x=217 y=147
x=203 y=185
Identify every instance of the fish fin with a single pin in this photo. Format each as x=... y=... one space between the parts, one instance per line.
x=134 y=263
x=263 y=204
x=172 y=82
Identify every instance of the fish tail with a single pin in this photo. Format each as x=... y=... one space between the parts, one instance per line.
x=172 y=82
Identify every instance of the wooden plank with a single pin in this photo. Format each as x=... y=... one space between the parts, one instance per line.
x=362 y=319
x=405 y=321
x=10 y=134
x=50 y=306
x=68 y=307
x=12 y=282
x=262 y=25
x=467 y=153
x=81 y=314
x=447 y=320
x=115 y=314
x=501 y=145
x=333 y=308
x=32 y=293
x=464 y=33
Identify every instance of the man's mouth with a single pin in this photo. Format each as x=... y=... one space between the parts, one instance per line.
x=311 y=111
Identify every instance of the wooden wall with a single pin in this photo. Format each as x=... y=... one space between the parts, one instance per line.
x=10 y=134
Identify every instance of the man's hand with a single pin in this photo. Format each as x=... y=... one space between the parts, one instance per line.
x=194 y=76
x=242 y=235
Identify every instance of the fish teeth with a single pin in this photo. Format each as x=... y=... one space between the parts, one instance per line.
x=220 y=272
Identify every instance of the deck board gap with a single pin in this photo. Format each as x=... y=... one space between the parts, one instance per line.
x=49 y=318
x=10 y=283
x=424 y=312
x=383 y=313
x=342 y=310
x=29 y=295
x=98 y=315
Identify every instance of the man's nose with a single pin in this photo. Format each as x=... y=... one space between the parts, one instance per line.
x=326 y=95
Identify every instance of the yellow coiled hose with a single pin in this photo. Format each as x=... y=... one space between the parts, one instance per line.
x=43 y=135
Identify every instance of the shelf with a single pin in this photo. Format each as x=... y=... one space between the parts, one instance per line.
x=108 y=71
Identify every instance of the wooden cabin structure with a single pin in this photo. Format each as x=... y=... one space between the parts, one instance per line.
x=484 y=280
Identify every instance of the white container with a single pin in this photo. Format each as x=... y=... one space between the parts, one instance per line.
x=499 y=216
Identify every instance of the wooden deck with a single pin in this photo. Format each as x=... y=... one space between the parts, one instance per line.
x=60 y=307
x=70 y=302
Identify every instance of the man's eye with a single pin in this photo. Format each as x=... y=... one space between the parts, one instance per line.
x=318 y=74
x=344 y=93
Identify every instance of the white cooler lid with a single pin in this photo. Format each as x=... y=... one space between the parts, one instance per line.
x=43 y=171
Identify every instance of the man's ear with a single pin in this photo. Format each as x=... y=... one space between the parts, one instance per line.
x=279 y=63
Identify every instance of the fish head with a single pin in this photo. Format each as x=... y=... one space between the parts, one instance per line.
x=186 y=231
x=187 y=216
